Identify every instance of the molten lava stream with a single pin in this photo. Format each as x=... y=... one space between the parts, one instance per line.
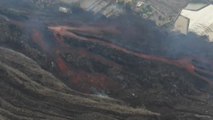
x=63 y=32
x=204 y=69
x=89 y=30
x=37 y=38
x=79 y=79
x=183 y=63
x=62 y=66
x=186 y=64
x=82 y=80
x=97 y=81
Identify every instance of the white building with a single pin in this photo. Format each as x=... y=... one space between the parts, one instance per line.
x=64 y=10
x=197 y=18
x=105 y=7
x=139 y=3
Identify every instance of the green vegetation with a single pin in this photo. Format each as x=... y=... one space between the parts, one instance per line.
x=146 y=11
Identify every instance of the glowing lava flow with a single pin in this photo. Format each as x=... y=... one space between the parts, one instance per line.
x=182 y=63
x=78 y=79
x=84 y=81
x=38 y=39
x=62 y=66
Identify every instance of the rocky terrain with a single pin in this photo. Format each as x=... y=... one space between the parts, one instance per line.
x=81 y=66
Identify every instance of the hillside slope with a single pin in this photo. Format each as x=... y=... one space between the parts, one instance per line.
x=29 y=92
x=82 y=66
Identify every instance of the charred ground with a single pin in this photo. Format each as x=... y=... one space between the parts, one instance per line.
x=130 y=60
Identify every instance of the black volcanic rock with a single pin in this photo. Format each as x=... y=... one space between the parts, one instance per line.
x=29 y=92
x=41 y=70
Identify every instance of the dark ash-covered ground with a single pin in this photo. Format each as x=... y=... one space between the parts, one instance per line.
x=83 y=67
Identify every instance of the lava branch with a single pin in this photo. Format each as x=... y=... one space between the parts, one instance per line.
x=38 y=39
x=80 y=79
x=182 y=63
x=92 y=30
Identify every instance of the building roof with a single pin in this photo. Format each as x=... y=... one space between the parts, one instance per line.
x=105 y=7
x=196 y=18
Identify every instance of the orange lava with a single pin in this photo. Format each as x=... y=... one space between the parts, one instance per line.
x=38 y=39
x=182 y=63
x=79 y=79
x=62 y=66
x=82 y=80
